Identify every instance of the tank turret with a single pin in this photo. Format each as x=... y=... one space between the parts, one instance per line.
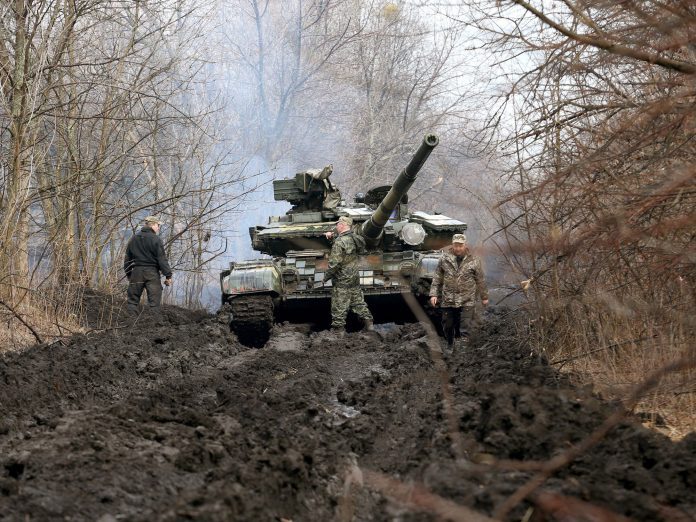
x=310 y=191
x=373 y=228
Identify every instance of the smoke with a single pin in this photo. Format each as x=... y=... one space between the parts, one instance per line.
x=299 y=94
x=259 y=204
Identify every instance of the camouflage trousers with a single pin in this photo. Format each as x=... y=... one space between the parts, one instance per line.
x=344 y=299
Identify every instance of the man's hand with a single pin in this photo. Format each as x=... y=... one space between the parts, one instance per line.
x=484 y=302
x=328 y=235
x=168 y=281
x=433 y=301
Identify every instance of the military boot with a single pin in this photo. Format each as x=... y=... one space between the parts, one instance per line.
x=369 y=326
x=339 y=333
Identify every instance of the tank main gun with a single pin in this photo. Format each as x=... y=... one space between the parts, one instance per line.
x=372 y=228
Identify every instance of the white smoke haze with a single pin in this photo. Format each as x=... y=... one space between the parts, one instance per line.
x=356 y=84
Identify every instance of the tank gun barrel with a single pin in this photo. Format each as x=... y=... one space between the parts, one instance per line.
x=372 y=228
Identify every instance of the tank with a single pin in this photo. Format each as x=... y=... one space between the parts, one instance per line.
x=403 y=249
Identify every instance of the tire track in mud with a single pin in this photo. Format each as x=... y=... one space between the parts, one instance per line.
x=174 y=420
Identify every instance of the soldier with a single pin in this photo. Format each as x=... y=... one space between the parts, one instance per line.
x=145 y=259
x=458 y=279
x=346 y=293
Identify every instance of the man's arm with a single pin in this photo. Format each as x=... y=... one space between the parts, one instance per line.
x=335 y=259
x=162 y=261
x=436 y=286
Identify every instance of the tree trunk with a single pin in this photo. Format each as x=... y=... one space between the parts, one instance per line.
x=14 y=260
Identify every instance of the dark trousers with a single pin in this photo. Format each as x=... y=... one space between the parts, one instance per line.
x=457 y=322
x=144 y=278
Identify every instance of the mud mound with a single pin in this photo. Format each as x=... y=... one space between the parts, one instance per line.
x=174 y=419
x=98 y=310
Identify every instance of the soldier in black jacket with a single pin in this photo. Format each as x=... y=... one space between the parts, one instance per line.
x=145 y=259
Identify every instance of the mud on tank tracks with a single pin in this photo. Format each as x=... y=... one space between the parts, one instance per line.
x=173 y=419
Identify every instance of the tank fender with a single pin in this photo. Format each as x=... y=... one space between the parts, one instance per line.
x=427 y=265
x=246 y=280
x=425 y=270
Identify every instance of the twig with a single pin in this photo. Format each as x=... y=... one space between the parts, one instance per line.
x=517 y=290
x=419 y=497
x=458 y=445
x=109 y=329
x=610 y=347
x=62 y=327
x=612 y=46
x=21 y=320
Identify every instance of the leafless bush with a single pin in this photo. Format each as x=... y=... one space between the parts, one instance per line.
x=597 y=132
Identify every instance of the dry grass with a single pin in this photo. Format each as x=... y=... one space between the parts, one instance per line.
x=669 y=409
x=613 y=348
x=15 y=336
x=47 y=317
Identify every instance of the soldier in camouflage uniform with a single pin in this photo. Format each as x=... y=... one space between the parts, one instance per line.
x=457 y=281
x=346 y=293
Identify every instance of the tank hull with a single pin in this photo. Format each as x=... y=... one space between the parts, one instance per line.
x=294 y=291
x=386 y=307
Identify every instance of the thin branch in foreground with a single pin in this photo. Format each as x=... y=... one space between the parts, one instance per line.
x=612 y=46
x=416 y=496
x=563 y=507
x=458 y=446
x=594 y=438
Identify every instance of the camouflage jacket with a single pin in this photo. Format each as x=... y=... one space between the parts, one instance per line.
x=343 y=261
x=457 y=286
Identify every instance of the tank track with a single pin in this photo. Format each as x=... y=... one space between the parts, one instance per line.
x=252 y=319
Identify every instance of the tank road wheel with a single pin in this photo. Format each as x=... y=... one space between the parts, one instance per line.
x=252 y=319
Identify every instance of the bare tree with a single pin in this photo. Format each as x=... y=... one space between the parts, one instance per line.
x=281 y=52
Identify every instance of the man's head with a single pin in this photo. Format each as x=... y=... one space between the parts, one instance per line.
x=459 y=246
x=153 y=222
x=344 y=224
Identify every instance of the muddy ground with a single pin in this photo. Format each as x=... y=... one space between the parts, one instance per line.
x=175 y=420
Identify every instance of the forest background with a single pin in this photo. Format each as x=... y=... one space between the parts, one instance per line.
x=566 y=131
